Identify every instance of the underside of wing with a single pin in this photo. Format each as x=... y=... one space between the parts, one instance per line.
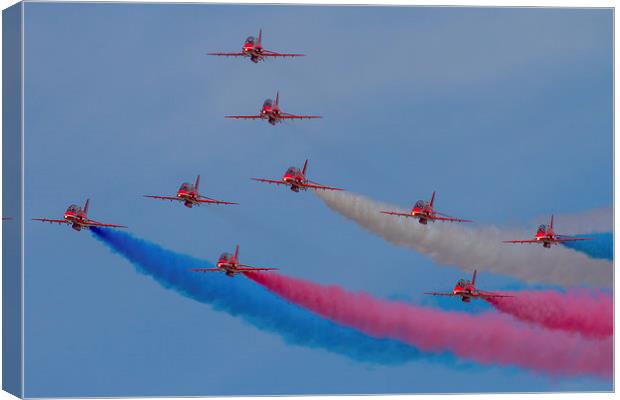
x=446 y=218
x=205 y=270
x=488 y=295
x=163 y=197
x=55 y=221
x=269 y=53
x=399 y=214
x=244 y=116
x=293 y=116
x=317 y=186
x=521 y=241
x=270 y=181
x=227 y=54
x=570 y=239
x=440 y=294
x=204 y=199
x=96 y=223
x=254 y=269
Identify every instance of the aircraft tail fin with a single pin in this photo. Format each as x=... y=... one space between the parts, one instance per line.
x=551 y=223
x=278 y=98
x=473 y=279
x=197 y=182
x=432 y=199
x=303 y=171
x=237 y=253
x=260 y=37
x=86 y=206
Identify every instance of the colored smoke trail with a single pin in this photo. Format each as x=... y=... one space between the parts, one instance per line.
x=589 y=313
x=484 y=338
x=602 y=245
x=242 y=298
x=470 y=247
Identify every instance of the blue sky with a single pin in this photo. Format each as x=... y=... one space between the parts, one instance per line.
x=507 y=113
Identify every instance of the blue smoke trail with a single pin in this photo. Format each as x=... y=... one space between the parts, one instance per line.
x=253 y=303
x=602 y=245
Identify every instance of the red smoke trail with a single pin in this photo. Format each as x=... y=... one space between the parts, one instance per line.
x=586 y=312
x=484 y=338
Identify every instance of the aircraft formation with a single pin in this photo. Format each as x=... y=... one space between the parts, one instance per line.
x=296 y=179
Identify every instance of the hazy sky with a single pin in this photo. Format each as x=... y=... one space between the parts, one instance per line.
x=507 y=113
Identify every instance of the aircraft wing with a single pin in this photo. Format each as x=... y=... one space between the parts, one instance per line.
x=443 y=217
x=164 y=197
x=293 y=116
x=204 y=199
x=449 y=219
x=522 y=241
x=314 y=185
x=227 y=54
x=560 y=239
x=205 y=270
x=399 y=214
x=249 y=268
x=57 y=221
x=95 y=223
x=269 y=53
x=244 y=116
x=440 y=294
x=485 y=295
x=279 y=182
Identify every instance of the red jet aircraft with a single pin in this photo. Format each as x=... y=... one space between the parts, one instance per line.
x=229 y=264
x=466 y=290
x=253 y=49
x=296 y=179
x=188 y=194
x=272 y=113
x=547 y=237
x=423 y=211
x=78 y=218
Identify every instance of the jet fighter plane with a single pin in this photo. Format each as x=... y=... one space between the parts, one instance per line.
x=229 y=264
x=253 y=49
x=77 y=217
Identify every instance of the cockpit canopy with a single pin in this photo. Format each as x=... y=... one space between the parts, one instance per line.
x=186 y=186
x=420 y=204
x=542 y=228
x=293 y=171
x=226 y=256
x=461 y=283
x=250 y=39
x=268 y=103
x=74 y=208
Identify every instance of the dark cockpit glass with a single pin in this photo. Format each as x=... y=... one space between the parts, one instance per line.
x=419 y=204
x=74 y=208
x=186 y=186
x=292 y=171
x=461 y=282
x=250 y=39
x=225 y=256
x=268 y=103
x=542 y=228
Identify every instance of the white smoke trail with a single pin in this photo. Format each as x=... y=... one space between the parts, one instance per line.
x=469 y=246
